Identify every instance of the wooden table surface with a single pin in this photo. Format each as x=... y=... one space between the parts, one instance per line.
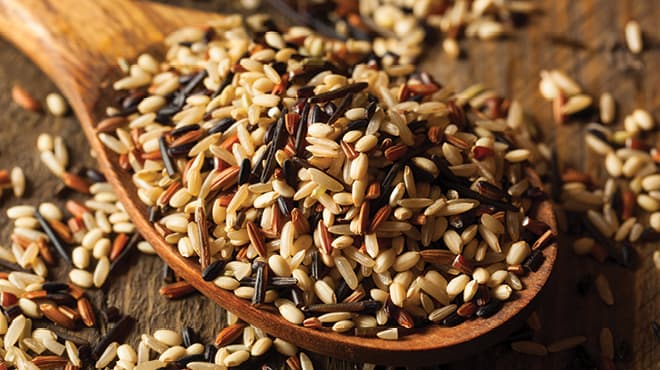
x=510 y=66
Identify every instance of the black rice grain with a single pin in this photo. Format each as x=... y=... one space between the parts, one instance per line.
x=183 y=362
x=452 y=320
x=244 y=172
x=222 y=125
x=53 y=287
x=118 y=331
x=213 y=270
x=167 y=161
x=111 y=314
x=301 y=133
x=260 y=282
x=189 y=336
x=209 y=352
x=341 y=109
x=278 y=141
x=489 y=309
x=94 y=175
x=534 y=261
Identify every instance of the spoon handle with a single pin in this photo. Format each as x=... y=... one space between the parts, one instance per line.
x=73 y=41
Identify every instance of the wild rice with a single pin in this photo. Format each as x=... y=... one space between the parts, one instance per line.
x=14 y=331
x=81 y=278
x=261 y=346
x=291 y=313
x=24 y=99
x=236 y=358
x=643 y=119
x=604 y=290
x=150 y=365
x=56 y=104
x=388 y=334
x=17 y=179
x=300 y=160
x=172 y=354
x=619 y=208
x=530 y=348
x=633 y=36
x=107 y=356
x=606 y=343
x=654 y=221
x=566 y=344
x=576 y=103
x=607 y=108
x=517 y=253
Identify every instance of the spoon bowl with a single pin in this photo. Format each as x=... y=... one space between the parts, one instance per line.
x=77 y=43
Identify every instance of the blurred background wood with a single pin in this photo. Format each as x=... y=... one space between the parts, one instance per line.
x=510 y=66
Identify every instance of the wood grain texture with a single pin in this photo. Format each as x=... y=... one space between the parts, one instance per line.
x=510 y=66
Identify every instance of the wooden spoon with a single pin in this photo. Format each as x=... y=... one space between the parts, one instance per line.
x=77 y=43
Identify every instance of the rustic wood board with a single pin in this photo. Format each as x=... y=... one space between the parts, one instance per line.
x=511 y=67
